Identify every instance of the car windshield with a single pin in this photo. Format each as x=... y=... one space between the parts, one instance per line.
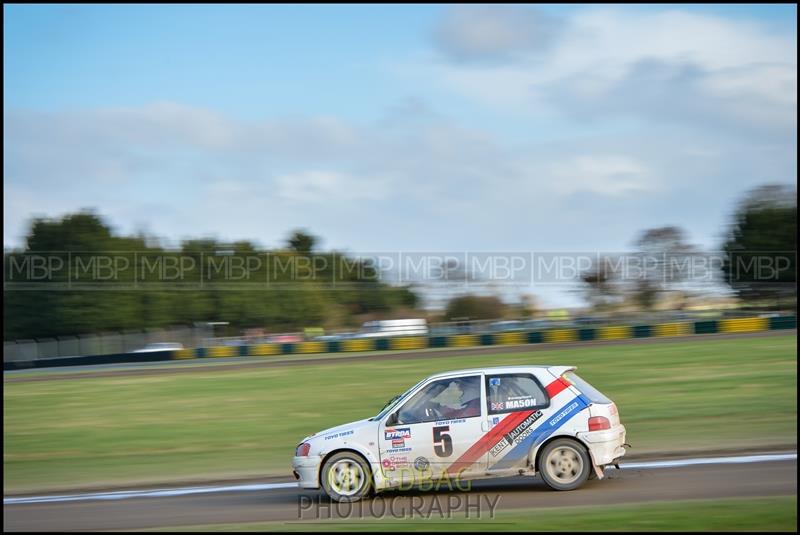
x=393 y=402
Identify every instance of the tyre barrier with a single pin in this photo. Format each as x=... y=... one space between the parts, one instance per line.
x=549 y=336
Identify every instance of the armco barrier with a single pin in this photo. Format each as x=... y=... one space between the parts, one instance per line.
x=783 y=322
x=743 y=325
x=117 y=358
x=738 y=325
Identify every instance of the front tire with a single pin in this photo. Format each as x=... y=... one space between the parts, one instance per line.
x=346 y=477
x=564 y=464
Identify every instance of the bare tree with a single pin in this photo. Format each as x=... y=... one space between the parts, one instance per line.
x=665 y=260
x=601 y=285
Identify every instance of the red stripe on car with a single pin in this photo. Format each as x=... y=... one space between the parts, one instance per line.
x=556 y=387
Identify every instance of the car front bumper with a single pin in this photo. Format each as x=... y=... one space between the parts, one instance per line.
x=605 y=447
x=306 y=471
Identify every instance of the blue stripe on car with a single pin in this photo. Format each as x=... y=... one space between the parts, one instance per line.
x=544 y=430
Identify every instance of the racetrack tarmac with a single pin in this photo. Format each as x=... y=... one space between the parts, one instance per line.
x=628 y=485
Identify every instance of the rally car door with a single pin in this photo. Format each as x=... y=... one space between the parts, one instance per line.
x=523 y=410
x=431 y=434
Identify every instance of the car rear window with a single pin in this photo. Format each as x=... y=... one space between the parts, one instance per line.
x=594 y=395
x=514 y=392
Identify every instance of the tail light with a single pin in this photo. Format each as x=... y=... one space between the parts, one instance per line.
x=599 y=423
x=302 y=450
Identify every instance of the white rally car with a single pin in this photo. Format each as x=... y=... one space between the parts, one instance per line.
x=470 y=424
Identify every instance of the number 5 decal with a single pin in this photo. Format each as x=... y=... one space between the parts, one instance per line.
x=442 y=443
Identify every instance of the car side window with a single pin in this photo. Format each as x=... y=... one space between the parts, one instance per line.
x=514 y=392
x=445 y=399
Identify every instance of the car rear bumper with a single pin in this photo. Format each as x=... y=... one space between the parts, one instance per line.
x=605 y=447
x=306 y=471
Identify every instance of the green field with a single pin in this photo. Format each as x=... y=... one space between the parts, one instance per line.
x=737 y=514
x=678 y=396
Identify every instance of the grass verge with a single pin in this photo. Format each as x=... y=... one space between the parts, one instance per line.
x=114 y=431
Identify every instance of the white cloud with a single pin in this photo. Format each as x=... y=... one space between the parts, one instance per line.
x=669 y=66
x=317 y=186
x=493 y=33
x=603 y=175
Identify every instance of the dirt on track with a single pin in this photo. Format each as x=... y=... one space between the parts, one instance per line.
x=240 y=363
x=776 y=478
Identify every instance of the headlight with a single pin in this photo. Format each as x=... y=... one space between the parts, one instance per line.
x=302 y=450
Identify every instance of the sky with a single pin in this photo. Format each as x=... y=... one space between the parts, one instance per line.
x=421 y=128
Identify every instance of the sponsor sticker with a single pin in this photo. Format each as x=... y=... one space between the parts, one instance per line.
x=562 y=414
x=394 y=462
x=451 y=422
x=494 y=381
x=498 y=448
x=339 y=435
x=393 y=433
x=516 y=435
x=398 y=450
x=421 y=464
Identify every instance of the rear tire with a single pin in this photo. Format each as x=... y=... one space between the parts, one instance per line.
x=564 y=464
x=346 y=477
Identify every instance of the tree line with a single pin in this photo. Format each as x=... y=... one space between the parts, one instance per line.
x=150 y=286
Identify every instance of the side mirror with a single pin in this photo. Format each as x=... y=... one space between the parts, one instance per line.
x=392 y=420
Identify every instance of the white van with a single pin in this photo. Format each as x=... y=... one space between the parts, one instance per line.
x=381 y=328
